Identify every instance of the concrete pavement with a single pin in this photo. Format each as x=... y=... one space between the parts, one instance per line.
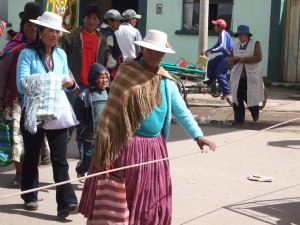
x=208 y=188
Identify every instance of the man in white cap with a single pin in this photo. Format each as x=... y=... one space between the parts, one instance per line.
x=128 y=34
x=112 y=21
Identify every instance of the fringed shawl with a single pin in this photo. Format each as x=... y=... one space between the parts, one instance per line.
x=135 y=92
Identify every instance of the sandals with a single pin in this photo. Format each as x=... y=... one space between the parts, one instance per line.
x=259 y=178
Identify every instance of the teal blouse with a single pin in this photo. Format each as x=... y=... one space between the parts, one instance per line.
x=159 y=119
x=153 y=124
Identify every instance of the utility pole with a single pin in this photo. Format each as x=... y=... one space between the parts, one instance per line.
x=203 y=25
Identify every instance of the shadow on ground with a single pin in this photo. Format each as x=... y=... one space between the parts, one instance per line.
x=6 y=180
x=293 y=144
x=13 y=209
x=285 y=211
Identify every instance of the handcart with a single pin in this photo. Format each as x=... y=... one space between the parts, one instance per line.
x=182 y=75
x=189 y=79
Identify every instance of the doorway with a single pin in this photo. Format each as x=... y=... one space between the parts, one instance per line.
x=140 y=6
x=122 y=5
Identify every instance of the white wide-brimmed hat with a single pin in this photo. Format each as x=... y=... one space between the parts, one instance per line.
x=50 y=20
x=156 y=40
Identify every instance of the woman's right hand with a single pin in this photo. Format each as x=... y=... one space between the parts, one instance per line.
x=68 y=83
x=76 y=92
x=201 y=141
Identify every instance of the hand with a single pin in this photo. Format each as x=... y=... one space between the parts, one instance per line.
x=201 y=141
x=68 y=83
x=242 y=60
x=76 y=92
x=236 y=59
x=206 y=54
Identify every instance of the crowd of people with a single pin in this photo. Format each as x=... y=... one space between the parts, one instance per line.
x=108 y=84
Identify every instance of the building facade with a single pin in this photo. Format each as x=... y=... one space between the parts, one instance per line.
x=180 y=20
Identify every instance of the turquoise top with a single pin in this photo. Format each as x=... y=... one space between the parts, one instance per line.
x=159 y=119
x=153 y=124
x=174 y=104
x=29 y=63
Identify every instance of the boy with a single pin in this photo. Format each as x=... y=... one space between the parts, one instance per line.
x=88 y=109
x=218 y=66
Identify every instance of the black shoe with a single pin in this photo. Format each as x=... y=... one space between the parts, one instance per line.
x=225 y=96
x=79 y=175
x=31 y=206
x=45 y=161
x=207 y=82
x=237 y=123
x=16 y=182
x=69 y=210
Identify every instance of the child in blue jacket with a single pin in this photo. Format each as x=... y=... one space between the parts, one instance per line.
x=88 y=108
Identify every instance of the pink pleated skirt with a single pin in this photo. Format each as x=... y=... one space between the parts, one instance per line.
x=148 y=187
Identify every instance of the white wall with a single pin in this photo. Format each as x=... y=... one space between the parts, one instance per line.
x=14 y=8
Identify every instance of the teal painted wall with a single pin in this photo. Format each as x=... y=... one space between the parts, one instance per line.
x=185 y=45
x=276 y=41
x=255 y=13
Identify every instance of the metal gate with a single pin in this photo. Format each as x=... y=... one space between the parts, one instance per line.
x=291 y=59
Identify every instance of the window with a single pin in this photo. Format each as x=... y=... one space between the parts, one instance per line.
x=217 y=9
x=4 y=10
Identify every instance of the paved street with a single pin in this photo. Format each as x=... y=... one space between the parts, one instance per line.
x=208 y=188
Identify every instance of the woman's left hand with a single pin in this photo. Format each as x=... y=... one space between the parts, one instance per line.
x=241 y=60
x=67 y=83
x=201 y=141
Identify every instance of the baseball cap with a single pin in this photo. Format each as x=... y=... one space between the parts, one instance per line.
x=130 y=13
x=220 y=22
x=113 y=14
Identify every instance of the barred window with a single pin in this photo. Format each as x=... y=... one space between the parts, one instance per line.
x=218 y=9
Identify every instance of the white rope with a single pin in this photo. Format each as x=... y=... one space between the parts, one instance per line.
x=140 y=164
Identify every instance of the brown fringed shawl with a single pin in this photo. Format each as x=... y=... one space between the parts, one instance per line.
x=134 y=94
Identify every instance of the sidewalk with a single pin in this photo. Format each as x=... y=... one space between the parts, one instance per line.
x=208 y=189
x=282 y=105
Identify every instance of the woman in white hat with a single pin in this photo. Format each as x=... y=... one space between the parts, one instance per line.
x=37 y=59
x=134 y=128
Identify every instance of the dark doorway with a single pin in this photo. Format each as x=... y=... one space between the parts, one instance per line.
x=122 y=5
x=136 y=5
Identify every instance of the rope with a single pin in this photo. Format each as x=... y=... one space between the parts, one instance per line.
x=142 y=164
